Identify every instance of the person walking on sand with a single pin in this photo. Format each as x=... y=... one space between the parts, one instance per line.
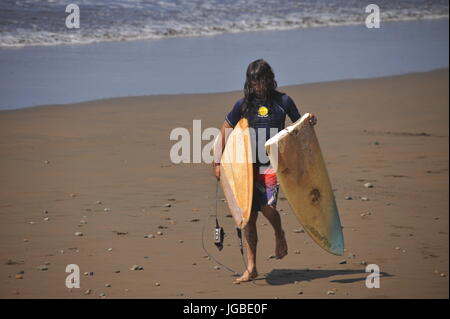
x=265 y=108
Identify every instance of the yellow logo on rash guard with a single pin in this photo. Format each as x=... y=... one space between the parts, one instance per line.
x=263 y=111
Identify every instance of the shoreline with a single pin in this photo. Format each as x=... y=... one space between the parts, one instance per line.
x=406 y=20
x=55 y=75
x=112 y=99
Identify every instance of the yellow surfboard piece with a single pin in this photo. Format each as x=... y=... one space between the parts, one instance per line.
x=297 y=159
x=236 y=173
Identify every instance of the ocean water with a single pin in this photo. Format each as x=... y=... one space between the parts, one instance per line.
x=45 y=67
x=42 y=22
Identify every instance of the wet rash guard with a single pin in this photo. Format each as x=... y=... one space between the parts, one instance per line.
x=267 y=117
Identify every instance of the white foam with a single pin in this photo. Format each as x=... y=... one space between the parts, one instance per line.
x=103 y=21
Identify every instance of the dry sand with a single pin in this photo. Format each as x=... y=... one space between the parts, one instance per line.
x=391 y=132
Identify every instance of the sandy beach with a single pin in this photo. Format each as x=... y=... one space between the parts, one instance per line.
x=102 y=168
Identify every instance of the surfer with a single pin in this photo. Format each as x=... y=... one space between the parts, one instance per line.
x=265 y=108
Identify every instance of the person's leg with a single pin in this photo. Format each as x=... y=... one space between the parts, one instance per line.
x=273 y=216
x=251 y=239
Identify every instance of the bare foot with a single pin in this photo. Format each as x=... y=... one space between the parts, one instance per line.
x=281 y=249
x=247 y=276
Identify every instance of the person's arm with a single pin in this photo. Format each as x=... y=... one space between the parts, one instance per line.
x=294 y=114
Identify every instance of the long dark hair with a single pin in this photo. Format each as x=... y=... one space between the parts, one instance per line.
x=259 y=71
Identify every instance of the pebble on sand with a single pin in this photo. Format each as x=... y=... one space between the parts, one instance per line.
x=19 y=277
x=149 y=236
x=102 y=294
x=42 y=267
x=331 y=292
x=364 y=199
x=216 y=267
x=73 y=195
x=160 y=233
x=297 y=252
x=110 y=249
x=46 y=219
x=167 y=205
x=348 y=198
x=78 y=233
x=136 y=267
x=368 y=185
x=157 y=284
x=106 y=209
x=108 y=285
x=47 y=162
x=443 y=275
x=88 y=292
x=25 y=240
x=343 y=262
x=98 y=202
x=194 y=220
x=299 y=231
x=120 y=233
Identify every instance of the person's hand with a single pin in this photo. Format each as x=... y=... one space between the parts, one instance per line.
x=313 y=120
x=216 y=170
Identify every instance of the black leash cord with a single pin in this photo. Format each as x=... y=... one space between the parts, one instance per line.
x=203 y=237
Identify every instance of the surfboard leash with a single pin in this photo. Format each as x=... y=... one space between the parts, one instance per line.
x=211 y=256
x=219 y=235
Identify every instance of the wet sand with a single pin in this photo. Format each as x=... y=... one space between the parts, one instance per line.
x=103 y=168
